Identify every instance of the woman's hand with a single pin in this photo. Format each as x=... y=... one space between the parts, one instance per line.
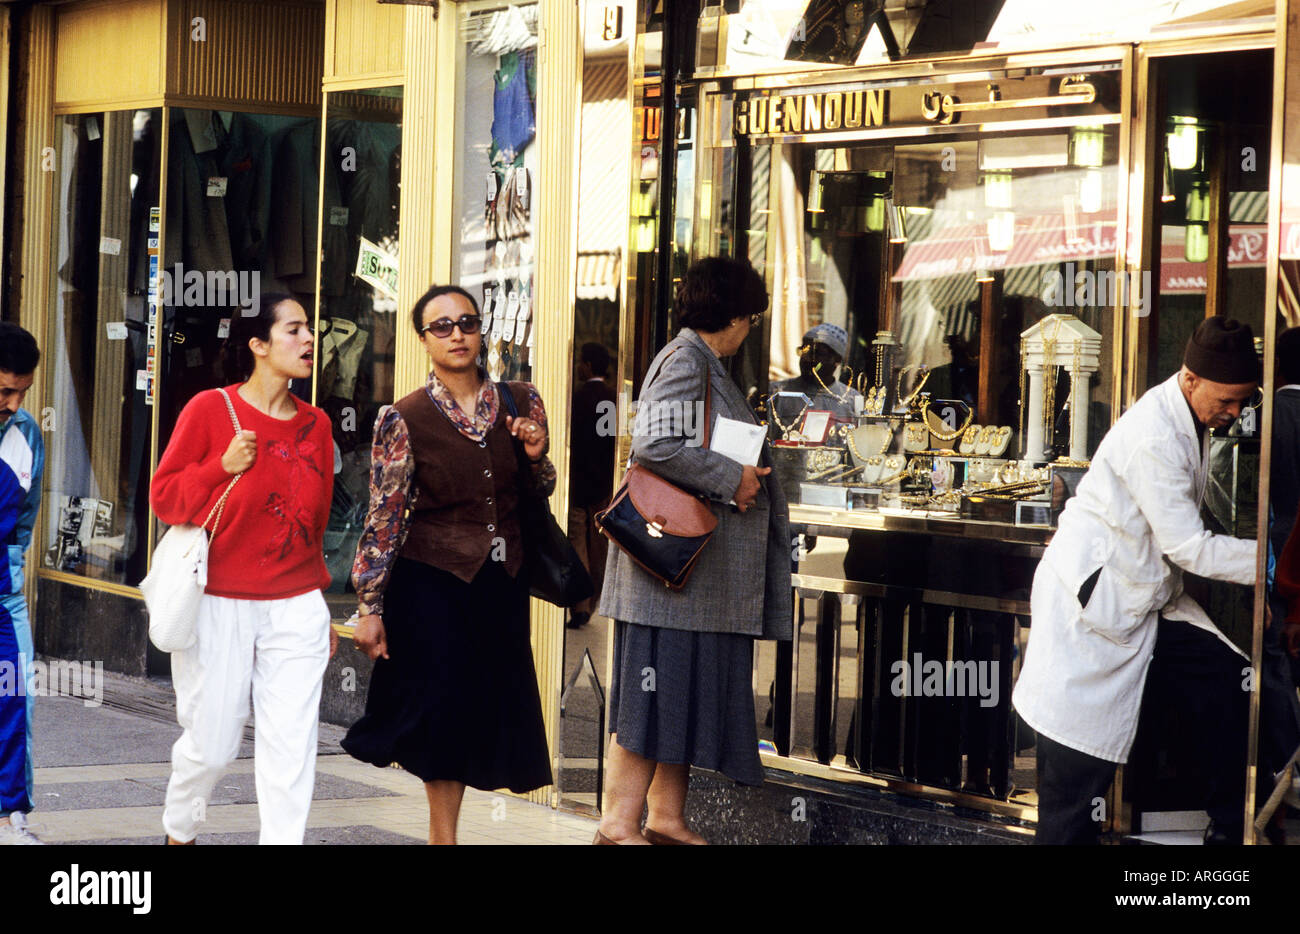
x=530 y=433
x=241 y=453
x=747 y=492
x=370 y=637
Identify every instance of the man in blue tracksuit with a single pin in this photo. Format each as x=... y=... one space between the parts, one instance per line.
x=22 y=458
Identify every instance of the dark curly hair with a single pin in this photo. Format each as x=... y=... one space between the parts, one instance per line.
x=18 y=351
x=237 y=360
x=717 y=290
x=417 y=313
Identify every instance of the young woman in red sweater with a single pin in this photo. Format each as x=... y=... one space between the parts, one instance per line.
x=263 y=625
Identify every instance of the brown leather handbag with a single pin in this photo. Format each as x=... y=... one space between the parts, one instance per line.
x=660 y=526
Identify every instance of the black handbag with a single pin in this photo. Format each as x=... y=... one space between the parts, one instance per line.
x=555 y=572
x=660 y=526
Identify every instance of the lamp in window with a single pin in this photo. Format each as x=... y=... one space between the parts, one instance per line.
x=1196 y=240
x=983 y=275
x=815 y=193
x=1088 y=146
x=896 y=214
x=1183 y=143
x=997 y=190
x=873 y=214
x=1168 y=194
x=1002 y=231
x=1091 y=191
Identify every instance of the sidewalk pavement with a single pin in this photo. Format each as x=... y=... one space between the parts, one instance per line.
x=102 y=770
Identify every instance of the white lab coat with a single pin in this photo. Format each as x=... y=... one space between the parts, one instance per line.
x=1137 y=517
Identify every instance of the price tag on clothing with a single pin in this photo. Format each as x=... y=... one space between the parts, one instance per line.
x=491 y=186
x=521 y=187
x=223 y=328
x=92 y=128
x=155 y=220
x=116 y=330
x=110 y=246
x=141 y=380
x=217 y=186
x=338 y=216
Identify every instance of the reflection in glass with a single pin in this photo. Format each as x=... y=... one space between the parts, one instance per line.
x=496 y=167
x=96 y=480
x=359 y=316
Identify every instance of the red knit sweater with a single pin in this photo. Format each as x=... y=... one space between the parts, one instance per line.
x=269 y=543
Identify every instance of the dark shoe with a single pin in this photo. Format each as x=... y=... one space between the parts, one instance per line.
x=1217 y=836
x=577 y=621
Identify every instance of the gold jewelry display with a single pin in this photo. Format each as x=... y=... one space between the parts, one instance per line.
x=937 y=433
x=984 y=440
x=853 y=444
x=892 y=463
x=830 y=392
x=916 y=436
x=1049 y=387
x=819 y=459
x=924 y=371
x=871 y=470
x=786 y=429
x=998 y=441
x=968 y=439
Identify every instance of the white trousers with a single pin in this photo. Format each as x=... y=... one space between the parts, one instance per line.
x=275 y=650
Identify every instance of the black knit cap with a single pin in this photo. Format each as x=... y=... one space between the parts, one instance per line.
x=1222 y=350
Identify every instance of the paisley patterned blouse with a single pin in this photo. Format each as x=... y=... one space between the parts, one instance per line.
x=392 y=472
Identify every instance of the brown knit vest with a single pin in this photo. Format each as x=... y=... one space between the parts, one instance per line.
x=466 y=492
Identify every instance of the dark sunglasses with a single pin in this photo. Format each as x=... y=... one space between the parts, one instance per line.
x=468 y=324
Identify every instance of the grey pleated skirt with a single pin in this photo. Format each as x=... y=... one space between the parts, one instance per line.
x=686 y=698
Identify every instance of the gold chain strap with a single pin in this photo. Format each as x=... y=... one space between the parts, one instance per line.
x=220 y=506
x=943 y=436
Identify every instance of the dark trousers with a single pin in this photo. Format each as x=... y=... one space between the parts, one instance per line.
x=1193 y=687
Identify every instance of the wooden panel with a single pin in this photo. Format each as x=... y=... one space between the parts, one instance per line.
x=364 y=38
x=246 y=51
x=85 y=32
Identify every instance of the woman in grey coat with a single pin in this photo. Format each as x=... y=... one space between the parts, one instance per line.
x=681 y=691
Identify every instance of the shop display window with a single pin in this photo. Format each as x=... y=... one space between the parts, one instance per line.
x=97 y=423
x=496 y=170
x=970 y=289
x=358 y=312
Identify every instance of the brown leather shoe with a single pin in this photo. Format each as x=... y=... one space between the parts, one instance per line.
x=601 y=840
x=661 y=839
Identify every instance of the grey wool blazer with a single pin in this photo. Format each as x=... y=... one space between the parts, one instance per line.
x=742 y=581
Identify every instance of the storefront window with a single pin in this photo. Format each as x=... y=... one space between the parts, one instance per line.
x=97 y=481
x=240 y=221
x=359 y=316
x=496 y=169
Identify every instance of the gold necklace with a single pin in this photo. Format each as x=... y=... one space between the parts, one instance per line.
x=943 y=436
x=853 y=446
x=924 y=370
x=830 y=392
x=785 y=429
x=1049 y=390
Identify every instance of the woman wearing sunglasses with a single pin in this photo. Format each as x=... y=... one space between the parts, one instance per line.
x=443 y=606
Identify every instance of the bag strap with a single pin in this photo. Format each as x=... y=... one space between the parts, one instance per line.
x=219 y=507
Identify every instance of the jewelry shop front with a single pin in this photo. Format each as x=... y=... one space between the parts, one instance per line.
x=1011 y=247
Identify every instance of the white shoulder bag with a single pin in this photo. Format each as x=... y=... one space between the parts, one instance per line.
x=179 y=573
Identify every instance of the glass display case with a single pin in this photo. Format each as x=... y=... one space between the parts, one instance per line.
x=970 y=278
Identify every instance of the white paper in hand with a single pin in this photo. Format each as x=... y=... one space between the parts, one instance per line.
x=740 y=441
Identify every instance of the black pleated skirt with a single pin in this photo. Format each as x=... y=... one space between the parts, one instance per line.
x=686 y=698
x=457 y=698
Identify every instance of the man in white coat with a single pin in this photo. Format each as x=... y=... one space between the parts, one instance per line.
x=1109 y=611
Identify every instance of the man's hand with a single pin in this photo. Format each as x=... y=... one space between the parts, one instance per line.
x=747 y=492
